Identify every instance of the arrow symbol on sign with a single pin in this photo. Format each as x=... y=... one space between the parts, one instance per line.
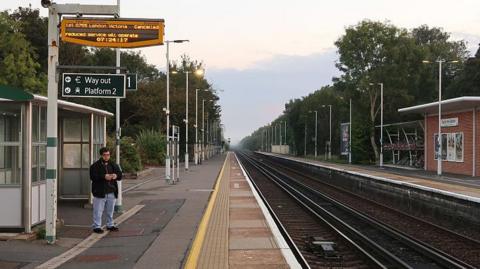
x=77 y=79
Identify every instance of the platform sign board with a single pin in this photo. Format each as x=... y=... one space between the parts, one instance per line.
x=93 y=85
x=113 y=33
x=131 y=83
x=344 y=138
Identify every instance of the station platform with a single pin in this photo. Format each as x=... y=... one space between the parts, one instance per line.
x=157 y=226
x=237 y=230
x=457 y=186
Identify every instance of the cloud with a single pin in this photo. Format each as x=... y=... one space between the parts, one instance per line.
x=254 y=96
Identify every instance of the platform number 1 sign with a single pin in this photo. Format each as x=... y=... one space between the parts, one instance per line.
x=131 y=83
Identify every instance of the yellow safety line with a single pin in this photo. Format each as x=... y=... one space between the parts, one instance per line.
x=192 y=259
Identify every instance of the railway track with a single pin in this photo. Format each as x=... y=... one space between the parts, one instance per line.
x=361 y=241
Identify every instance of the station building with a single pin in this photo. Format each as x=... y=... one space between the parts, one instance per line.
x=23 y=141
x=460 y=121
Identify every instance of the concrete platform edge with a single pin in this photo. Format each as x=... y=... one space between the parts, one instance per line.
x=284 y=248
x=411 y=185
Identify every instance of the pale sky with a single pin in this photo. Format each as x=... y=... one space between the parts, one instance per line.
x=263 y=53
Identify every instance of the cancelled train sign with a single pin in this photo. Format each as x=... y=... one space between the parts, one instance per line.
x=113 y=33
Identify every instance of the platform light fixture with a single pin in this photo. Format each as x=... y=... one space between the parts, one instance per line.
x=167 y=157
x=316 y=123
x=439 y=156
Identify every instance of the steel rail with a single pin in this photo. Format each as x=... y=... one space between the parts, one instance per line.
x=441 y=258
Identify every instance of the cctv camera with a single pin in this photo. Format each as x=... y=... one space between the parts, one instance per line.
x=46 y=3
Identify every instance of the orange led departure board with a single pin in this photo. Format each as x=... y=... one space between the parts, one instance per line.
x=113 y=33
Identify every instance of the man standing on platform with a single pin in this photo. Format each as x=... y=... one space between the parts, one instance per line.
x=104 y=175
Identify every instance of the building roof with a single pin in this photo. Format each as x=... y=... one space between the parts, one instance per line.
x=448 y=105
x=14 y=94
x=74 y=106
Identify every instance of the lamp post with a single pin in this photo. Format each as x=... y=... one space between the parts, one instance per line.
x=280 y=132
x=203 y=130
x=439 y=156
x=272 y=137
x=197 y=145
x=198 y=72
x=305 y=141
x=186 y=120
x=381 y=122
x=167 y=111
x=350 y=135
x=196 y=128
x=274 y=125
x=203 y=127
x=316 y=123
x=330 y=131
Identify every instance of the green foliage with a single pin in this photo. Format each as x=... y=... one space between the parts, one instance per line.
x=129 y=156
x=23 y=64
x=373 y=52
x=151 y=145
x=18 y=66
x=35 y=30
x=467 y=82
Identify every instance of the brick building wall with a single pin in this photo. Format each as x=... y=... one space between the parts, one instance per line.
x=465 y=125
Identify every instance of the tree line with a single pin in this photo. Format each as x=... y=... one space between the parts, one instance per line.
x=23 y=64
x=369 y=53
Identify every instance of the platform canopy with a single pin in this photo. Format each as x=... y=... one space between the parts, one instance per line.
x=448 y=105
x=14 y=94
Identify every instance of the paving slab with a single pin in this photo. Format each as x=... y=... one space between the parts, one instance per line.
x=157 y=236
x=238 y=235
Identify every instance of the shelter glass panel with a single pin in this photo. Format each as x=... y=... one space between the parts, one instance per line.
x=39 y=143
x=35 y=123
x=10 y=157
x=72 y=130
x=10 y=169
x=72 y=156
x=43 y=124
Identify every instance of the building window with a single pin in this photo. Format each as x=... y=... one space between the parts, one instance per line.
x=39 y=143
x=98 y=135
x=10 y=157
x=76 y=148
x=452 y=147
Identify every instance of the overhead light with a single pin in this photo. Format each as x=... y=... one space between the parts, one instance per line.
x=46 y=3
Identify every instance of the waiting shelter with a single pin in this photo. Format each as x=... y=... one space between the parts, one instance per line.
x=460 y=120
x=23 y=141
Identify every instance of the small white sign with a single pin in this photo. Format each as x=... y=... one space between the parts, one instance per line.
x=451 y=122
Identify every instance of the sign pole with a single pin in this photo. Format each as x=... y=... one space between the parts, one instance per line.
x=167 y=158
x=186 y=122
x=119 y=202
x=52 y=125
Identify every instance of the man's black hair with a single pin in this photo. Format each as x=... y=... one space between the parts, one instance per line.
x=103 y=150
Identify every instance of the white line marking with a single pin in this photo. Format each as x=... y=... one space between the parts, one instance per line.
x=137 y=185
x=86 y=243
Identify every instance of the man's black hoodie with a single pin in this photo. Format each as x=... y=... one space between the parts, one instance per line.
x=98 y=170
